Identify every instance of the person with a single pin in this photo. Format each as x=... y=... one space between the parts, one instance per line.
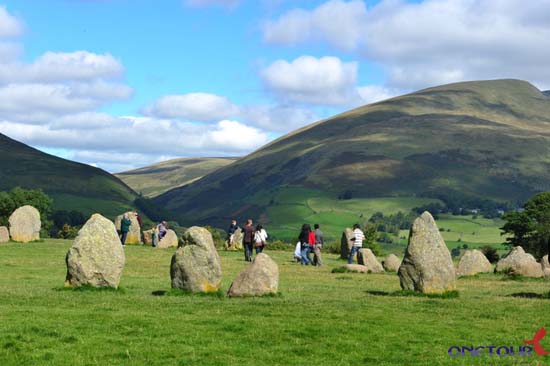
x=231 y=232
x=125 y=224
x=248 y=239
x=357 y=240
x=163 y=229
x=319 y=241
x=297 y=253
x=139 y=218
x=260 y=237
x=303 y=238
x=155 y=236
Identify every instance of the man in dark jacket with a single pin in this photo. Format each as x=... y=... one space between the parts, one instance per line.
x=248 y=239
x=125 y=224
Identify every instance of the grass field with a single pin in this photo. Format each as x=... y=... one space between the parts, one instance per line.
x=320 y=318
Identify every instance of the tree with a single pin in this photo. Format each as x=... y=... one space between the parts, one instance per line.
x=17 y=197
x=530 y=228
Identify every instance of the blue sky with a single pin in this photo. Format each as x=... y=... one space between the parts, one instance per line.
x=120 y=84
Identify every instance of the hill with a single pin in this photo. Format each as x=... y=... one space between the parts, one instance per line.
x=73 y=186
x=156 y=179
x=482 y=140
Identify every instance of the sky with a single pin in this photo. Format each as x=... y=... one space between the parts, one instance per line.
x=121 y=84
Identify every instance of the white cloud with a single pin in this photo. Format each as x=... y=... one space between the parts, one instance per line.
x=126 y=137
x=193 y=106
x=279 y=118
x=433 y=41
x=324 y=81
x=10 y=26
x=339 y=22
x=62 y=66
x=375 y=93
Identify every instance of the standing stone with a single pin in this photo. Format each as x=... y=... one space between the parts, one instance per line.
x=134 y=235
x=148 y=237
x=96 y=257
x=391 y=263
x=236 y=242
x=261 y=277
x=427 y=266
x=4 y=234
x=345 y=243
x=196 y=264
x=169 y=240
x=545 y=266
x=356 y=268
x=366 y=257
x=520 y=263
x=472 y=263
x=25 y=224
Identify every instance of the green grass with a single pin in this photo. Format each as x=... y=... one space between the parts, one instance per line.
x=321 y=318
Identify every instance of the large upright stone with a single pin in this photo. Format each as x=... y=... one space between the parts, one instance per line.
x=545 y=266
x=96 y=257
x=367 y=258
x=391 y=263
x=134 y=235
x=345 y=243
x=169 y=240
x=520 y=263
x=25 y=224
x=4 y=234
x=196 y=264
x=472 y=263
x=261 y=277
x=148 y=237
x=236 y=241
x=427 y=266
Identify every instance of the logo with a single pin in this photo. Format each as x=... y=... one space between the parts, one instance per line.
x=529 y=348
x=540 y=334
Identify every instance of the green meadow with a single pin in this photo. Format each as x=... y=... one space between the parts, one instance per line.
x=319 y=317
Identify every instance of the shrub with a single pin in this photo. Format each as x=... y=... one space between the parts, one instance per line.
x=491 y=253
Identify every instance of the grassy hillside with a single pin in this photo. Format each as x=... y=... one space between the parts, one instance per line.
x=484 y=140
x=320 y=318
x=73 y=186
x=156 y=179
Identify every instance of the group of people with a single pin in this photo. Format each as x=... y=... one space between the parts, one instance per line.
x=157 y=232
x=253 y=237
x=309 y=241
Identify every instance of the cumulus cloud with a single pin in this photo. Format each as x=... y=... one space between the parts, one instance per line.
x=432 y=41
x=338 y=22
x=279 y=118
x=324 y=81
x=10 y=26
x=113 y=138
x=193 y=106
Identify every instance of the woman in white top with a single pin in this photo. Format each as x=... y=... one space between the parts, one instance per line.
x=260 y=237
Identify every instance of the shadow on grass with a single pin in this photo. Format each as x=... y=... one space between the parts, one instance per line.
x=520 y=278
x=404 y=293
x=89 y=288
x=220 y=294
x=531 y=295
